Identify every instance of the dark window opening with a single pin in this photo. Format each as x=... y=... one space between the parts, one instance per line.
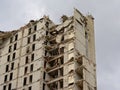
x=61 y=71
x=54 y=74
x=30 y=88
x=44 y=64
x=15 y=46
x=53 y=63
x=29 y=31
x=47 y=24
x=35 y=27
x=61 y=50
x=44 y=75
x=4 y=87
x=70 y=84
x=27 y=60
x=62 y=38
x=46 y=32
x=8 y=58
x=14 y=56
x=61 y=60
x=45 y=53
x=31 y=67
x=5 y=78
x=33 y=47
x=26 y=69
x=10 y=86
x=34 y=37
x=10 y=48
x=53 y=42
x=43 y=86
x=30 y=78
x=32 y=57
x=16 y=37
x=12 y=66
x=28 y=41
x=54 y=52
x=56 y=62
x=61 y=83
x=7 y=68
x=11 y=76
x=54 y=86
x=27 y=49
x=25 y=81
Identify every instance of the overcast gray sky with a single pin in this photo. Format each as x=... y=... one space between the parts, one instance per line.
x=16 y=13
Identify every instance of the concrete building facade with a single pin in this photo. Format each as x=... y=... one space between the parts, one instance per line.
x=45 y=56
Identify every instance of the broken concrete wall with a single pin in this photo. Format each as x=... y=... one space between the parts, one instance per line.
x=57 y=56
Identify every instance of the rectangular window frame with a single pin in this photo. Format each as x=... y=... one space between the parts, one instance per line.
x=4 y=87
x=30 y=78
x=25 y=70
x=10 y=49
x=34 y=37
x=30 y=88
x=16 y=37
x=31 y=67
x=9 y=86
x=26 y=60
x=12 y=65
x=11 y=76
x=25 y=81
x=7 y=68
x=35 y=28
x=15 y=46
x=32 y=57
x=8 y=58
x=14 y=55
x=29 y=31
x=5 y=78
x=28 y=40
x=33 y=47
x=11 y=39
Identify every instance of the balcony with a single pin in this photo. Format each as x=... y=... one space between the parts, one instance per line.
x=57 y=85
x=79 y=70
x=54 y=75
x=80 y=83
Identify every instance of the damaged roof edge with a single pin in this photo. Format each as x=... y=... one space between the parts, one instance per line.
x=7 y=34
x=84 y=16
x=79 y=12
x=33 y=22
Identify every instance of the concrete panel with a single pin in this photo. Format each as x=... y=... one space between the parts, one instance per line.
x=80 y=47
x=89 y=78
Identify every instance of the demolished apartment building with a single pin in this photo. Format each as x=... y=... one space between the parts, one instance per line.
x=45 y=56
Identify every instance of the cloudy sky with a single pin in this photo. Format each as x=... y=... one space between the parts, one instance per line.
x=16 y=13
